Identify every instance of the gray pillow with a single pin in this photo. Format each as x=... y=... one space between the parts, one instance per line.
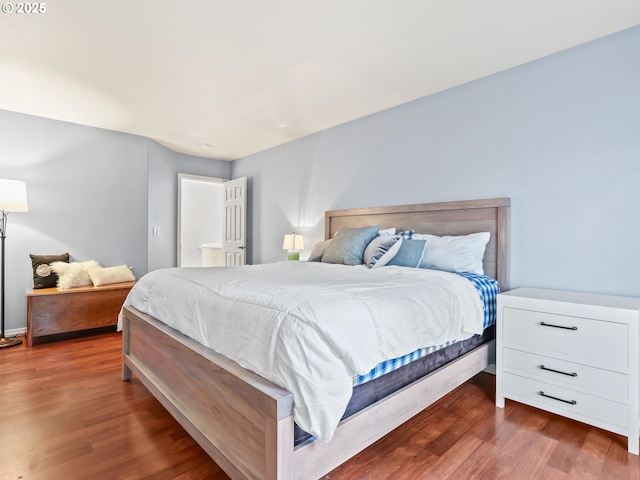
x=381 y=250
x=318 y=251
x=347 y=246
x=410 y=254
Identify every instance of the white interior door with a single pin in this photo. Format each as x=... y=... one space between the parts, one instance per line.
x=234 y=244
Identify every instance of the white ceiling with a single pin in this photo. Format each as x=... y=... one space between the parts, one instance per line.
x=224 y=79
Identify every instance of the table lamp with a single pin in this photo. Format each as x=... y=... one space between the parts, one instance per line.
x=293 y=244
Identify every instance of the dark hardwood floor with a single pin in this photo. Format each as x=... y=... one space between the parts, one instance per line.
x=67 y=415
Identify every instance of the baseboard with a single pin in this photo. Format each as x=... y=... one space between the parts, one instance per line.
x=15 y=331
x=491 y=369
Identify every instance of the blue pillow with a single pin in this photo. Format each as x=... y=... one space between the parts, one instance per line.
x=410 y=253
x=348 y=244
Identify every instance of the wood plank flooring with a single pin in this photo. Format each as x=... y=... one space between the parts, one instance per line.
x=67 y=415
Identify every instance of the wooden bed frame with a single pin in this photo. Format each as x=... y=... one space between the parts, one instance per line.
x=245 y=423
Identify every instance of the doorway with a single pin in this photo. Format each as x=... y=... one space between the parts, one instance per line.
x=200 y=221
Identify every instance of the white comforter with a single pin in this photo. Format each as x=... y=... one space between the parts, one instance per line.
x=310 y=327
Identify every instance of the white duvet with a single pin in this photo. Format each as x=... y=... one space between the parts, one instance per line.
x=311 y=327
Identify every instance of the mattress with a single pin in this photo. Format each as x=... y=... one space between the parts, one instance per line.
x=311 y=327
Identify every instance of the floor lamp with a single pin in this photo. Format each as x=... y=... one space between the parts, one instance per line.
x=13 y=198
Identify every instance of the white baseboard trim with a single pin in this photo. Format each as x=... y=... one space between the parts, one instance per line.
x=15 y=331
x=491 y=369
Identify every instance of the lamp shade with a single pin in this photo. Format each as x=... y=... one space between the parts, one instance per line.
x=13 y=196
x=293 y=242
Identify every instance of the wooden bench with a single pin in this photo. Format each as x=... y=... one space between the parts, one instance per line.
x=52 y=311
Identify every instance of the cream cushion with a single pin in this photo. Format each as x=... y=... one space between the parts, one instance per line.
x=318 y=251
x=107 y=275
x=75 y=274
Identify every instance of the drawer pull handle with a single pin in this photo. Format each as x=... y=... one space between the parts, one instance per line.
x=557 y=326
x=570 y=402
x=572 y=374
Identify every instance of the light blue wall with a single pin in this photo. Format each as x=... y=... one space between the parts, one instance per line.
x=92 y=193
x=164 y=167
x=87 y=193
x=560 y=136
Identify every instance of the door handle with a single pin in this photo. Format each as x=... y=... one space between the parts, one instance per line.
x=242 y=247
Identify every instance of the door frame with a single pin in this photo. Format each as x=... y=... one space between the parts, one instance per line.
x=188 y=176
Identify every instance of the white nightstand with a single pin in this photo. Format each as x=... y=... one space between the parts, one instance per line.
x=573 y=354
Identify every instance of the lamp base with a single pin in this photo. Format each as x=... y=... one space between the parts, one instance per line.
x=9 y=342
x=293 y=255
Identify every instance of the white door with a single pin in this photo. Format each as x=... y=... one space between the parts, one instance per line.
x=234 y=244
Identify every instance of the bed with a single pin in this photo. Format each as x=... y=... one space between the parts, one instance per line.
x=244 y=422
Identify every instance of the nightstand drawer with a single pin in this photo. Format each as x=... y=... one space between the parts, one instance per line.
x=595 y=381
x=539 y=394
x=592 y=342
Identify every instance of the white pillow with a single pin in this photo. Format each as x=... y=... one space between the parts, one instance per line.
x=75 y=274
x=387 y=231
x=104 y=276
x=457 y=254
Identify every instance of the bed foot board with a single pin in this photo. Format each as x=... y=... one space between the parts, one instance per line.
x=242 y=421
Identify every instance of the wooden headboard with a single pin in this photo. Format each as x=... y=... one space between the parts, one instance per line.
x=446 y=218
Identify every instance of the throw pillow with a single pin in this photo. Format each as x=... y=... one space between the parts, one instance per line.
x=381 y=250
x=462 y=253
x=410 y=254
x=407 y=234
x=74 y=274
x=104 y=276
x=347 y=246
x=43 y=274
x=318 y=251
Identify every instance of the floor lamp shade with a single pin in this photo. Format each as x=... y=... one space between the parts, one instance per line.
x=13 y=198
